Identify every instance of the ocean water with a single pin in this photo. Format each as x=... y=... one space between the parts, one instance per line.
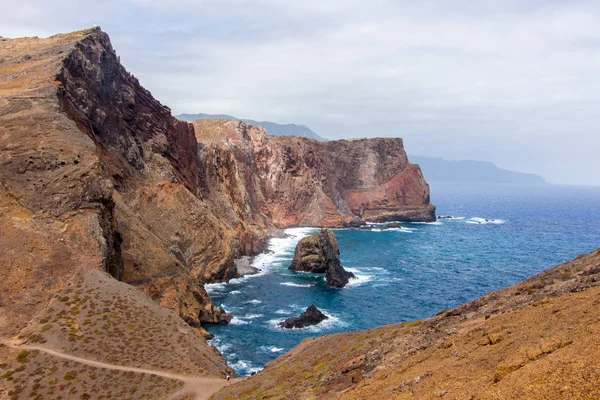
x=499 y=235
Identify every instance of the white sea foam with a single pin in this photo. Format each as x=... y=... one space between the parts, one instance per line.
x=280 y=250
x=428 y=223
x=235 y=292
x=254 y=301
x=250 y=316
x=300 y=285
x=243 y=364
x=212 y=288
x=484 y=221
x=238 y=321
x=272 y=349
x=360 y=277
x=403 y=229
x=283 y=312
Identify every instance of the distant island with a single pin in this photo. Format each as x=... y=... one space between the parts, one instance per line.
x=271 y=127
x=438 y=169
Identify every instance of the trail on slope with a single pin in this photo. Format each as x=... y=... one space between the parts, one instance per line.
x=202 y=388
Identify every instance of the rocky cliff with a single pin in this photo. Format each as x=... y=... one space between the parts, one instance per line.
x=296 y=181
x=97 y=175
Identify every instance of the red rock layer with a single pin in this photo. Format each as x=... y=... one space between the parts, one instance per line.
x=295 y=181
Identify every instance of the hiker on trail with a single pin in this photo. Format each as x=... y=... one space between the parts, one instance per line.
x=227 y=378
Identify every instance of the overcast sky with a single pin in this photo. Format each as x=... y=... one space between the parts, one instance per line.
x=513 y=82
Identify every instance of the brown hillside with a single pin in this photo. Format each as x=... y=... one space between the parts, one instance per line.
x=537 y=339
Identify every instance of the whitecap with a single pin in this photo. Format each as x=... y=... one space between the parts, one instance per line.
x=238 y=321
x=428 y=223
x=235 y=292
x=214 y=287
x=450 y=217
x=244 y=365
x=272 y=349
x=484 y=221
x=402 y=229
x=250 y=316
x=360 y=278
x=283 y=312
x=300 y=285
x=254 y=301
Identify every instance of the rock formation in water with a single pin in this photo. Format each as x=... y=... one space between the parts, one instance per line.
x=537 y=339
x=312 y=316
x=320 y=254
x=97 y=175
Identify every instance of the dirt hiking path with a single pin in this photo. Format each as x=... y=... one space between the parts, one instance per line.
x=202 y=388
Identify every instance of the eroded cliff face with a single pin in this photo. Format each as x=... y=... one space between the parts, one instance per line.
x=95 y=174
x=295 y=181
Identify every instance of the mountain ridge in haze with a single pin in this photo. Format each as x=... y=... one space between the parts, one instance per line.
x=272 y=128
x=441 y=170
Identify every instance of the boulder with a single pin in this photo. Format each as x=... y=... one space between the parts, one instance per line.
x=216 y=315
x=312 y=316
x=320 y=254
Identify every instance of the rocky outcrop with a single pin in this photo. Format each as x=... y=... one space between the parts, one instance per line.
x=216 y=315
x=320 y=254
x=312 y=316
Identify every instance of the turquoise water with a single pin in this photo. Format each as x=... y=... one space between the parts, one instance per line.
x=409 y=273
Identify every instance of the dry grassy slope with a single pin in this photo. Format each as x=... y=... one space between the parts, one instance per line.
x=537 y=339
x=98 y=318
x=36 y=375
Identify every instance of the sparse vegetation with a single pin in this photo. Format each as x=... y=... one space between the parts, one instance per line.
x=70 y=375
x=22 y=356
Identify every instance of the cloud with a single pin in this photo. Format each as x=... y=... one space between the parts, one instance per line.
x=512 y=82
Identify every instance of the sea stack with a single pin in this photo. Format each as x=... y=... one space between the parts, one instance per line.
x=320 y=254
x=312 y=316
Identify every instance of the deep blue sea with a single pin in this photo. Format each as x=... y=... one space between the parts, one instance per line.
x=409 y=273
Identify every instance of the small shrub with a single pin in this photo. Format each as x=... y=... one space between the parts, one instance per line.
x=22 y=356
x=414 y=323
x=319 y=366
x=7 y=374
x=70 y=375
